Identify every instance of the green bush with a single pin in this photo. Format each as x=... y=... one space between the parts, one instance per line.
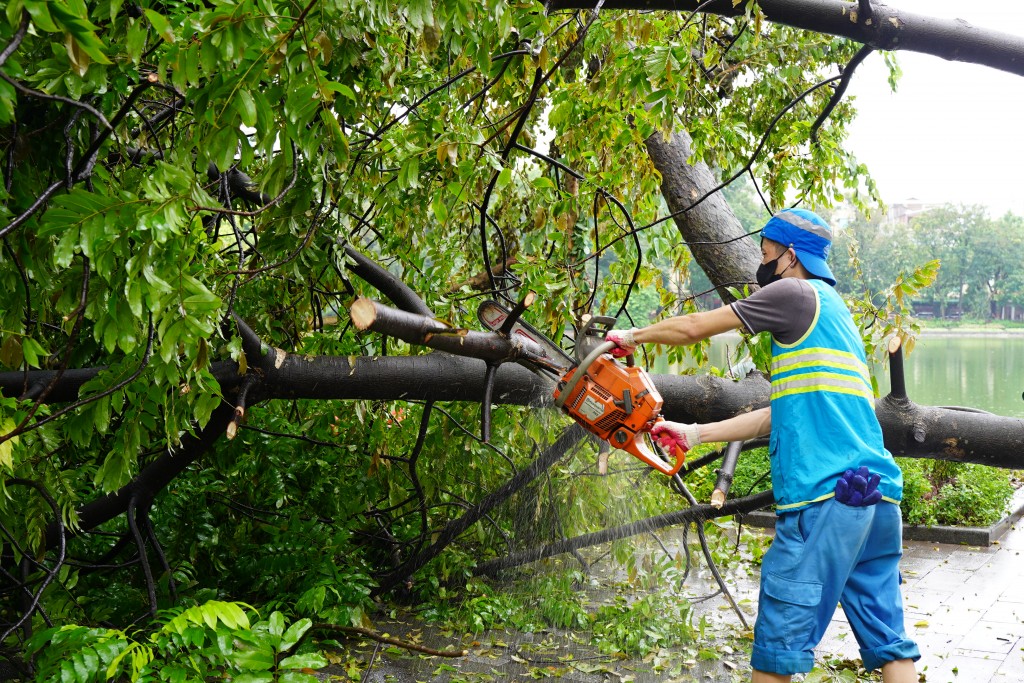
x=954 y=494
x=215 y=640
x=934 y=491
x=978 y=497
x=751 y=475
x=917 y=492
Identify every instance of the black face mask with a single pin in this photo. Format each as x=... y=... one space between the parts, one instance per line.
x=766 y=272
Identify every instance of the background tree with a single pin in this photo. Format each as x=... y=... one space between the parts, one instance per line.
x=947 y=233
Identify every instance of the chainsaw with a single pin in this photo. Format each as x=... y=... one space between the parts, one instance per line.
x=617 y=402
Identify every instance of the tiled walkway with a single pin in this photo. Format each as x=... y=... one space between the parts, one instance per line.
x=964 y=607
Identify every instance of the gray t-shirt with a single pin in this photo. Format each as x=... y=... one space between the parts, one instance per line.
x=785 y=308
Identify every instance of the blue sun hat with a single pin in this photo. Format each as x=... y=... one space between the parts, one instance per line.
x=809 y=236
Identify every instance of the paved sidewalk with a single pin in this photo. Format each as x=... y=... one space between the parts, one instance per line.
x=965 y=608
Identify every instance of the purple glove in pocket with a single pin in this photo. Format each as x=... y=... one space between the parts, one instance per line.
x=858 y=489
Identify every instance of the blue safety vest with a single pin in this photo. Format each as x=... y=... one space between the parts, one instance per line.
x=823 y=411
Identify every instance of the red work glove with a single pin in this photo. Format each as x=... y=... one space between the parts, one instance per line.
x=623 y=340
x=672 y=434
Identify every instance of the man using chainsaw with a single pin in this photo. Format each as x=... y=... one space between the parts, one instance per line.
x=837 y=489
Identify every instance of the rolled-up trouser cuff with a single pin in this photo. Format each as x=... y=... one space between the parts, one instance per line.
x=901 y=649
x=781 y=662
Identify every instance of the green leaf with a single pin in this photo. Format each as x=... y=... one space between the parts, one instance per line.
x=232 y=615
x=82 y=30
x=408 y=177
x=297 y=677
x=160 y=25
x=246 y=107
x=7 y=447
x=294 y=634
x=250 y=677
x=253 y=660
x=503 y=178
x=13 y=12
x=344 y=90
x=114 y=471
x=32 y=350
x=40 y=14
x=312 y=660
x=276 y=624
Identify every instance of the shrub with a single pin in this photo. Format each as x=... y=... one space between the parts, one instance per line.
x=934 y=491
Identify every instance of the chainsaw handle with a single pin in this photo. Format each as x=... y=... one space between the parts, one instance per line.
x=641 y=449
x=581 y=369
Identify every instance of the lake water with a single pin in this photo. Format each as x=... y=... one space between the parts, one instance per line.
x=980 y=371
x=984 y=371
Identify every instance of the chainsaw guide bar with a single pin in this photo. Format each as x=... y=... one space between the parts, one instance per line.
x=493 y=315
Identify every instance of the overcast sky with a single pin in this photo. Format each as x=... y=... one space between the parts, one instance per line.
x=952 y=132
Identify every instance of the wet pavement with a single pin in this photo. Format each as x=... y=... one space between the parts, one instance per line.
x=965 y=608
x=964 y=605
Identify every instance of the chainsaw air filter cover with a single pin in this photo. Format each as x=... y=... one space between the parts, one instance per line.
x=612 y=397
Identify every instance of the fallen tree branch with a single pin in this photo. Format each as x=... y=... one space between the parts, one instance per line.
x=697 y=513
x=426 y=331
x=381 y=638
x=569 y=438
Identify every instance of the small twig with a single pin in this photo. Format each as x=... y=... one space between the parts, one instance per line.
x=25 y=90
x=381 y=638
x=680 y=487
x=134 y=514
x=19 y=35
x=840 y=90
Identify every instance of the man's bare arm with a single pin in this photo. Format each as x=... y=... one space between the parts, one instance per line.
x=738 y=428
x=689 y=329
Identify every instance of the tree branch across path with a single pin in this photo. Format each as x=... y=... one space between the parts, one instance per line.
x=887 y=28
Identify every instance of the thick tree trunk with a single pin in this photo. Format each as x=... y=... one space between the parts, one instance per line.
x=910 y=430
x=710 y=227
x=960 y=435
x=886 y=28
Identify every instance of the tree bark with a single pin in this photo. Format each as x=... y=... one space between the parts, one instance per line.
x=910 y=429
x=886 y=29
x=956 y=434
x=712 y=230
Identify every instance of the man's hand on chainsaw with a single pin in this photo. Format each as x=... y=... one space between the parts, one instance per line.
x=672 y=434
x=623 y=340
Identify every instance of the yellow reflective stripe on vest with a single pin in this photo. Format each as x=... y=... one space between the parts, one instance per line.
x=820 y=369
x=790 y=359
x=804 y=382
x=860 y=370
x=781 y=508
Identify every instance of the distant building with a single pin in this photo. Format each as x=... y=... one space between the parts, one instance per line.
x=902 y=212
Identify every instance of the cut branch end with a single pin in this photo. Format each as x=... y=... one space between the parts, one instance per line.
x=363 y=313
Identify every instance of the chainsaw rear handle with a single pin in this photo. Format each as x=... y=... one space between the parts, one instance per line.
x=640 y=447
x=581 y=370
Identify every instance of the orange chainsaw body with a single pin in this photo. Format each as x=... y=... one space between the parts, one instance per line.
x=619 y=404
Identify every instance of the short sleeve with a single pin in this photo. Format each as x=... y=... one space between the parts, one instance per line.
x=785 y=308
